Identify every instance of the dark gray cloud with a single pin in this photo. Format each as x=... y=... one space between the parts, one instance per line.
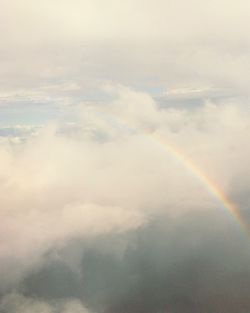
x=197 y=263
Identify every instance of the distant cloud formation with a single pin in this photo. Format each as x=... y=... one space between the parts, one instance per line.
x=61 y=51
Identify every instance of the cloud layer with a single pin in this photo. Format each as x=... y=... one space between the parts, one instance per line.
x=98 y=212
x=57 y=52
x=107 y=175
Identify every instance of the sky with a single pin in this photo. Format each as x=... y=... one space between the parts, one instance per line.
x=124 y=156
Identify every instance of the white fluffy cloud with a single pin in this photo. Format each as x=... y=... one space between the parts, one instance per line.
x=109 y=173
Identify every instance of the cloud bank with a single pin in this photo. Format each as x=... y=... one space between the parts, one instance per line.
x=59 y=51
x=97 y=214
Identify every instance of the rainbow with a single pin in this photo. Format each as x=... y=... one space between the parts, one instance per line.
x=213 y=188
x=203 y=177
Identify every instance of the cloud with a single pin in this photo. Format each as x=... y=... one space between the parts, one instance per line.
x=157 y=43
x=14 y=303
x=169 y=264
x=100 y=207
x=107 y=175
